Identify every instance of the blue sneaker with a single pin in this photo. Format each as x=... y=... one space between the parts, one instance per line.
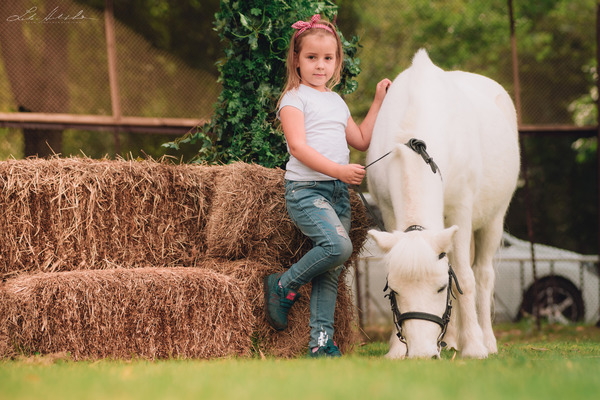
x=278 y=301
x=329 y=350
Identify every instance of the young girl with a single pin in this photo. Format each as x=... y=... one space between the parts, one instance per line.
x=318 y=129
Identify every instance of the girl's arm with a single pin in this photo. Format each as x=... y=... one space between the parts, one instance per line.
x=292 y=122
x=359 y=137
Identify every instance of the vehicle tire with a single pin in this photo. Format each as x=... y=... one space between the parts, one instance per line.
x=559 y=301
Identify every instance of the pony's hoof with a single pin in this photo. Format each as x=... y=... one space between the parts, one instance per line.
x=492 y=347
x=474 y=351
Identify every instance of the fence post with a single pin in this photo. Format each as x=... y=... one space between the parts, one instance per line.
x=598 y=134
x=524 y=170
x=109 y=24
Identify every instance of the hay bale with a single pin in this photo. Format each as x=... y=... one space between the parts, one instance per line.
x=83 y=215
x=294 y=340
x=122 y=313
x=5 y=349
x=249 y=218
x=74 y=213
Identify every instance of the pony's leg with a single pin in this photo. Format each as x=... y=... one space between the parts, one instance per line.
x=398 y=349
x=471 y=337
x=453 y=331
x=487 y=240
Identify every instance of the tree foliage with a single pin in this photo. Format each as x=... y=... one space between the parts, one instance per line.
x=256 y=35
x=555 y=40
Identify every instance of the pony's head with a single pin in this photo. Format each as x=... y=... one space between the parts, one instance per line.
x=418 y=277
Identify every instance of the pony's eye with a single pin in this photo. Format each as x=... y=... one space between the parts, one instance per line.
x=440 y=290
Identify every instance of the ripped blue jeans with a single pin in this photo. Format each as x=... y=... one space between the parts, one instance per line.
x=321 y=210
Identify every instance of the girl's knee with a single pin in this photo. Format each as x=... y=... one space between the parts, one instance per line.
x=340 y=251
x=347 y=250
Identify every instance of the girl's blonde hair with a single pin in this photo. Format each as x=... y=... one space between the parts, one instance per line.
x=293 y=77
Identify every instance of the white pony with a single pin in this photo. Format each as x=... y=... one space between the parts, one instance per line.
x=455 y=192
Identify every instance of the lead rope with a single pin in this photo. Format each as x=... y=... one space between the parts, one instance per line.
x=368 y=207
x=419 y=147
x=365 y=202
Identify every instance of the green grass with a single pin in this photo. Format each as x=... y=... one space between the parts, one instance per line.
x=556 y=363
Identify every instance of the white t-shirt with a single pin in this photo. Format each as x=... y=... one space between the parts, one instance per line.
x=325 y=120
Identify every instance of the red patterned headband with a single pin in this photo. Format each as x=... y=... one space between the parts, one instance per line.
x=301 y=26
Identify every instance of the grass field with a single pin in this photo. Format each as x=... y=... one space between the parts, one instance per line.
x=554 y=363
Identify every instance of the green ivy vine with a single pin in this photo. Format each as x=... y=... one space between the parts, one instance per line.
x=256 y=35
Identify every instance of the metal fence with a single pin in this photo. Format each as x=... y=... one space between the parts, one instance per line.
x=70 y=58
x=56 y=58
x=66 y=66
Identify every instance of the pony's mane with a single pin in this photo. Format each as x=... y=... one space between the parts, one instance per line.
x=412 y=258
x=427 y=91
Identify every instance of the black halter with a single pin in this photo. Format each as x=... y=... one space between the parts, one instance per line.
x=442 y=321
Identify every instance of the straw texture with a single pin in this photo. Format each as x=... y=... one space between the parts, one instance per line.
x=147 y=259
x=119 y=313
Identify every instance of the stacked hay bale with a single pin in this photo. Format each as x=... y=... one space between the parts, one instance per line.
x=252 y=224
x=69 y=214
x=142 y=312
x=138 y=258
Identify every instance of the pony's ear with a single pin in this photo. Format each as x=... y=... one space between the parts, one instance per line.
x=444 y=239
x=384 y=240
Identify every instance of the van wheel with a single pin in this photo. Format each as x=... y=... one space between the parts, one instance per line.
x=559 y=301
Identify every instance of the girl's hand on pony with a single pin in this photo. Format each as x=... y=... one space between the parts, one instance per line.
x=381 y=89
